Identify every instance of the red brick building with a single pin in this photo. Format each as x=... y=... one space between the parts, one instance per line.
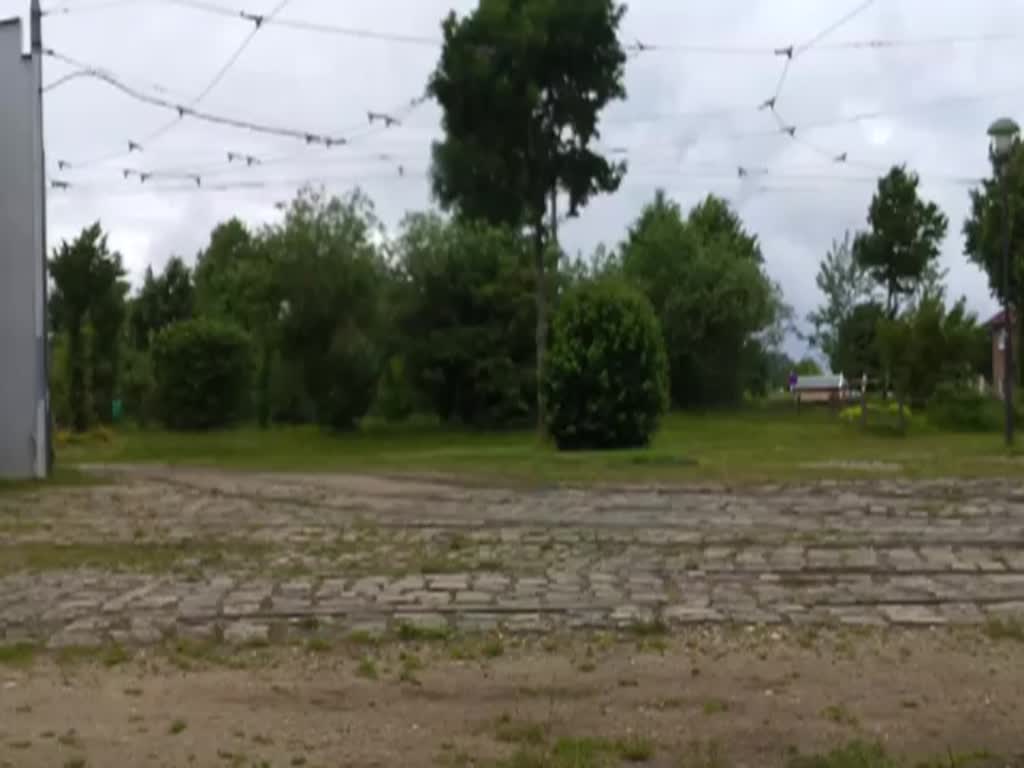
x=998 y=327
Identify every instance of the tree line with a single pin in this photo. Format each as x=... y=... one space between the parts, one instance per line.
x=320 y=317
x=885 y=312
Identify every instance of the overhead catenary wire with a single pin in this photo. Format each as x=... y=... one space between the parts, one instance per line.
x=83 y=70
x=191 y=172
x=765 y=50
x=222 y=72
x=813 y=42
x=208 y=88
x=398 y=113
x=436 y=42
x=741 y=109
x=310 y=137
x=814 y=123
x=848 y=17
x=348 y=137
x=192 y=179
x=301 y=25
x=795 y=51
x=397 y=37
x=811 y=175
x=86 y=5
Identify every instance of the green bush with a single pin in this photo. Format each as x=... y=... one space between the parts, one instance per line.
x=606 y=374
x=396 y=397
x=348 y=378
x=465 y=314
x=202 y=370
x=883 y=418
x=138 y=387
x=60 y=395
x=889 y=410
x=289 y=401
x=963 y=410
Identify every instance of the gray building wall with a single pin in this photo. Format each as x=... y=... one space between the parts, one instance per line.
x=23 y=386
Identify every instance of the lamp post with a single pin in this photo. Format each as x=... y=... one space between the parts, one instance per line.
x=1004 y=133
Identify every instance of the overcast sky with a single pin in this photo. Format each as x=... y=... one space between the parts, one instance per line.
x=690 y=120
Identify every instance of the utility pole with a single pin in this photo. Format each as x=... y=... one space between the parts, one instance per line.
x=45 y=453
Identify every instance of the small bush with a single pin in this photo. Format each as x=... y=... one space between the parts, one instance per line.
x=202 y=371
x=606 y=376
x=963 y=410
x=883 y=418
x=289 y=402
x=396 y=398
x=884 y=411
x=960 y=409
x=60 y=395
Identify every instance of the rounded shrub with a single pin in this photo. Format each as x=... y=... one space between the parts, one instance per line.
x=202 y=370
x=961 y=409
x=606 y=374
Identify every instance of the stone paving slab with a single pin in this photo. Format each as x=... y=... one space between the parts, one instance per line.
x=248 y=558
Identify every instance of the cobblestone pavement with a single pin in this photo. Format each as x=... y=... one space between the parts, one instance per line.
x=247 y=558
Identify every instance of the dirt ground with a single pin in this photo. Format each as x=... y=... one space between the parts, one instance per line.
x=704 y=697
x=196 y=618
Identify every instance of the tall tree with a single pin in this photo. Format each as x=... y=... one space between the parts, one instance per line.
x=522 y=84
x=856 y=351
x=162 y=300
x=711 y=298
x=235 y=283
x=466 y=317
x=845 y=284
x=330 y=278
x=713 y=220
x=983 y=233
x=88 y=304
x=903 y=237
x=233 y=278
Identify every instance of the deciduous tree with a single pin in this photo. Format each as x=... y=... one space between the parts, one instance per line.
x=235 y=283
x=88 y=304
x=522 y=84
x=903 y=237
x=711 y=296
x=857 y=352
x=466 y=315
x=163 y=299
x=845 y=284
x=983 y=232
x=330 y=278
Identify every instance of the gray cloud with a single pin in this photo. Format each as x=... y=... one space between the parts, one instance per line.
x=326 y=84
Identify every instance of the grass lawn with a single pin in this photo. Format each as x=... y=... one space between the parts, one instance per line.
x=739 y=446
